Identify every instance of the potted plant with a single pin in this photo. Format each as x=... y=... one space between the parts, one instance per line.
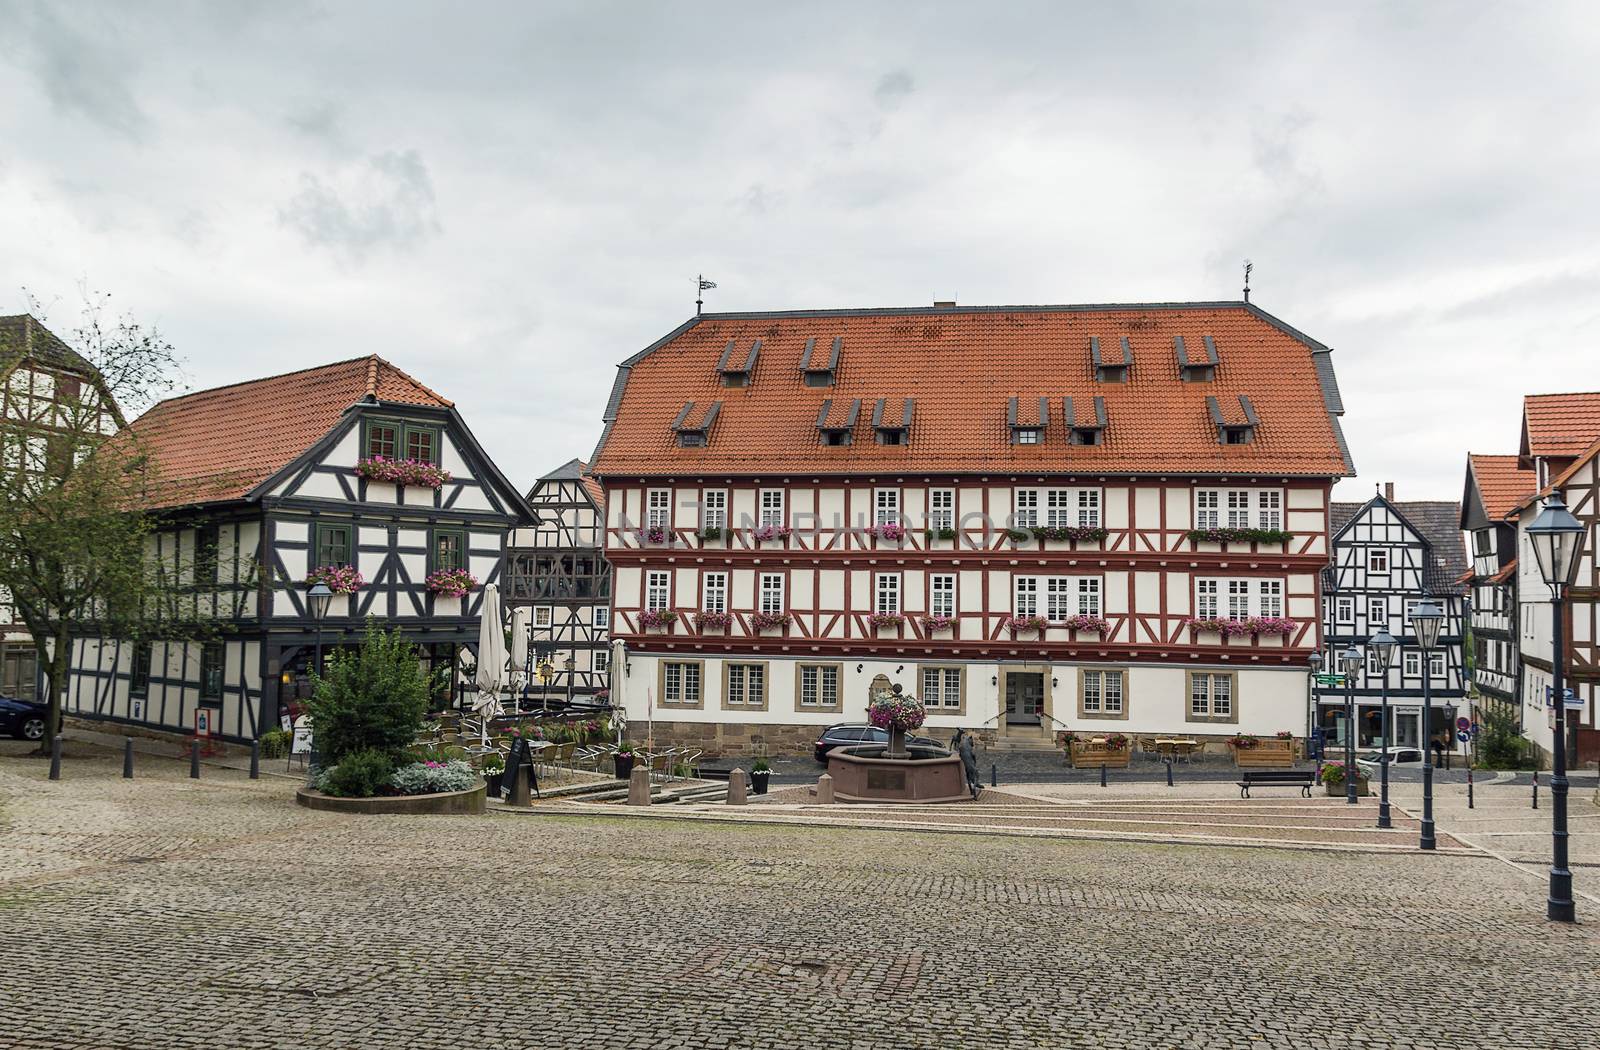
x=760 y=772
x=492 y=768
x=1116 y=742
x=624 y=761
x=899 y=714
x=1332 y=776
x=1243 y=741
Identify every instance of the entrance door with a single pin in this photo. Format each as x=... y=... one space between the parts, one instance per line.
x=1024 y=698
x=1408 y=729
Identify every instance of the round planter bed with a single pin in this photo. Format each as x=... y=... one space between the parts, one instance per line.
x=468 y=801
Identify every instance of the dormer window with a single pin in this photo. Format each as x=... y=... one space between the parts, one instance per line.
x=891 y=431
x=397 y=439
x=1236 y=428
x=1107 y=367
x=736 y=369
x=1024 y=431
x=1084 y=428
x=838 y=428
x=692 y=429
x=1237 y=435
x=1027 y=435
x=818 y=368
x=1200 y=368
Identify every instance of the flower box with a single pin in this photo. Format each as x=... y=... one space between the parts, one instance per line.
x=655 y=534
x=402 y=472
x=885 y=621
x=935 y=624
x=1263 y=754
x=889 y=533
x=769 y=621
x=1239 y=536
x=771 y=533
x=1068 y=533
x=451 y=583
x=1253 y=627
x=1088 y=624
x=340 y=579
x=711 y=534
x=1021 y=624
x=1086 y=754
x=658 y=619
x=713 y=621
x=940 y=534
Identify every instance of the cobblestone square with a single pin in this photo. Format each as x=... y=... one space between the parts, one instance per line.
x=164 y=912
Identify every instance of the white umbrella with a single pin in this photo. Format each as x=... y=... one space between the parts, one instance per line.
x=491 y=674
x=519 y=648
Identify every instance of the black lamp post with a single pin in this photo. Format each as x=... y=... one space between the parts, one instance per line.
x=1350 y=663
x=570 y=666
x=1557 y=539
x=1382 y=645
x=1426 y=619
x=1314 y=661
x=317 y=599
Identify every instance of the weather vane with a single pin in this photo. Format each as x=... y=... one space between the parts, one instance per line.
x=1248 y=266
x=704 y=285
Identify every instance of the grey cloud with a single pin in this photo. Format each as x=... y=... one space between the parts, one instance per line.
x=893 y=88
x=78 y=71
x=384 y=200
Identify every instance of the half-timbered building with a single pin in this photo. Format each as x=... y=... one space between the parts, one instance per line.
x=1495 y=486
x=1387 y=557
x=1036 y=519
x=558 y=570
x=353 y=466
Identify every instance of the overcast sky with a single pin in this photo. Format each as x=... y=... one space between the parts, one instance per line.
x=506 y=200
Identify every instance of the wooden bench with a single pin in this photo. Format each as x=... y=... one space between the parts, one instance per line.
x=1301 y=778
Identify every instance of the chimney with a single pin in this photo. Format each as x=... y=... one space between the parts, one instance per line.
x=1388 y=491
x=944 y=303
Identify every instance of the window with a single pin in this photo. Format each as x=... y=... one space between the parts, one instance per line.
x=888 y=593
x=1058 y=508
x=600 y=659
x=772 y=593
x=1482 y=542
x=1269 y=509
x=746 y=685
x=542 y=617
x=1436 y=664
x=1089 y=508
x=658 y=508
x=1205 y=516
x=657 y=589
x=19 y=672
x=941 y=688
x=206 y=542
x=1211 y=697
x=1089 y=597
x=942 y=594
x=449 y=550
x=1412 y=663
x=1344 y=609
x=212 y=663
x=1377 y=613
x=1027 y=509
x=1027 y=597
x=1205 y=606
x=602 y=617
x=1239 y=599
x=333 y=545
x=383 y=439
x=680 y=682
x=1237 y=435
x=772 y=507
x=714 y=592
x=1238 y=509
x=422 y=445
x=1372 y=662
x=819 y=687
x=714 y=509
x=891 y=436
x=1377 y=559
x=1027 y=435
x=139 y=680
x=1101 y=695
x=1271 y=600
x=1059 y=600
x=886 y=507
x=942 y=509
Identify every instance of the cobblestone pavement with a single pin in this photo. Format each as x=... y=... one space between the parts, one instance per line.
x=168 y=913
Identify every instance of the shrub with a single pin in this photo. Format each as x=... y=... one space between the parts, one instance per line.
x=429 y=778
x=371 y=700
x=275 y=743
x=359 y=774
x=1499 y=744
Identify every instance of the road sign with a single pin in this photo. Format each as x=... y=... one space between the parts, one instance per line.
x=1571 y=701
x=1476 y=729
x=1463 y=737
x=1463 y=724
x=1330 y=679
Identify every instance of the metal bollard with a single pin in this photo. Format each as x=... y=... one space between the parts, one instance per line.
x=1535 y=789
x=55 y=758
x=127 y=758
x=255 y=760
x=1169 y=772
x=994 y=775
x=194 y=760
x=1469 y=787
x=1102 y=774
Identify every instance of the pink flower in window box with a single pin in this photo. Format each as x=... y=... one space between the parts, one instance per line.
x=451 y=583
x=654 y=534
x=1084 y=622
x=341 y=579
x=877 y=621
x=772 y=532
x=888 y=531
x=1027 y=623
x=402 y=472
x=932 y=624
x=717 y=621
x=1272 y=625
x=763 y=621
x=657 y=618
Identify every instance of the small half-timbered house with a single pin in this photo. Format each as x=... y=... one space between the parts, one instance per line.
x=558 y=570
x=1036 y=519
x=348 y=468
x=1495 y=486
x=1387 y=557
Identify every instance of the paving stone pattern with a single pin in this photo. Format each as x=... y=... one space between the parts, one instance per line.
x=163 y=913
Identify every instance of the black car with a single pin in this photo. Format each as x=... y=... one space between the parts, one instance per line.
x=23 y=719
x=848 y=734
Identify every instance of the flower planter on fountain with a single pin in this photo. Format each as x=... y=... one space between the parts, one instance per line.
x=898 y=771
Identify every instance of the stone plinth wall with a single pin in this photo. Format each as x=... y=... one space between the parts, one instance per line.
x=735 y=740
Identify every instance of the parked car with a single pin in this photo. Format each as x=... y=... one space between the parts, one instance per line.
x=849 y=734
x=1369 y=761
x=23 y=719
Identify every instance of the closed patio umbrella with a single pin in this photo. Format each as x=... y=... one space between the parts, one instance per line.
x=519 y=649
x=491 y=675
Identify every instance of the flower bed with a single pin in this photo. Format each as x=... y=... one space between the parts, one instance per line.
x=1332 y=776
x=1027 y=623
x=340 y=579
x=932 y=624
x=654 y=619
x=1239 y=535
x=762 y=621
x=402 y=472
x=1083 y=622
x=878 y=621
x=716 y=621
x=451 y=583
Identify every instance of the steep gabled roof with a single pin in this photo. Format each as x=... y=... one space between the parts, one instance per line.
x=1559 y=425
x=1436 y=521
x=962 y=365
x=1502 y=484
x=23 y=336
x=577 y=470
x=216 y=445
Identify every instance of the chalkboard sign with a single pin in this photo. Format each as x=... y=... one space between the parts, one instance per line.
x=520 y=755
x=301 y=742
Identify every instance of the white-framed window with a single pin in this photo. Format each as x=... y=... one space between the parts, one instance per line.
x=1206 y=515
x=1270 y=602
x=1238 y=509
x=602 y=617
x=1089 y=596
x=772 y=593
x=1058 y=508
x=1410 y=607
x=1205 y=602
x=1089 y=508
x=1412 y=663
x=714 y=509
x=714 y=592
x=1058 y=598
x=1210 y=695
x=1436 y=664
x=887 y=596
x=942 y=508
x=1344 y=609
x=1269 y=509
x=1377 y=613
x=1372 y=662
x=819 y=685
x=601 y=659
x=886 y=507
x=1102 y=692
x=942 y=594
x=747 y=685
x=543 y=616
x=658 y=508
x=941 y=687
x=1026 y=515
x=772 y=506
x=1377 y=559
x=657 y=589
x=1238 y=599
x=1028 y=435
x=1026 y=597
x=680 y=683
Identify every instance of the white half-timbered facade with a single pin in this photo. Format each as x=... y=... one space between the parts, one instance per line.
x=1053 y=519
x=1387 y=557
x=1495 y=485
x=558 y=570
x=241 y=536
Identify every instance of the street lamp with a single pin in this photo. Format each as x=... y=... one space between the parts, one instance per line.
x=1426 y=619
x=317 y=599
x=570 y=664
x=1382 y=645
x=1314 y=661
x=1350 y=662
x=1557 y=538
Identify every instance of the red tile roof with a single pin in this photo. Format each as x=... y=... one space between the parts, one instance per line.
x=218 y=444
x=592 y=486
x=962 y=366
x=1559 y=425
x=1502 y=484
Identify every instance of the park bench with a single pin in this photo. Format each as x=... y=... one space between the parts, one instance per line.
x=1301 y=778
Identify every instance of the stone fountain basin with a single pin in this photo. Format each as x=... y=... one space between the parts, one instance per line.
x=865 y=774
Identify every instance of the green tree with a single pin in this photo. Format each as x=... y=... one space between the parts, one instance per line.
x=371 y=700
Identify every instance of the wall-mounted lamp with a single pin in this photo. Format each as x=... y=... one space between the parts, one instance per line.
x=1053 y=682
x=902 y=667
x=858 y=668
x=994 y=680
x=286 y=678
